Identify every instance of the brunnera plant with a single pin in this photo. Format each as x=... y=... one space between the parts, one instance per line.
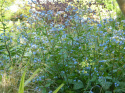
x=86 y=59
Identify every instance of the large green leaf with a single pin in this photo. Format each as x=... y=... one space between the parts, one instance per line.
x=104 y=83
x=34 y=74
x=58 y=88
x=21 y=87
x=108 y=92
x=78 y=85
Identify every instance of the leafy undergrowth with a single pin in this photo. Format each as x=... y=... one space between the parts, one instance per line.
x=80 y=56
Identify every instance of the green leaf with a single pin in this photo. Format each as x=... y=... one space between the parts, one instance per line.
x=109 y=77
x=34 y=74
x=47 y=85
x=58 y=88
x=13 y=53
x=114 y=71
x=78 y=85
x=3 y=16
x=70 y=81
x=104 y=84
x=44 y=90
x=28 y=54
x=21 y=87
x=94 y=78
x=0 y=78
x=2 y=47
x=108 y=92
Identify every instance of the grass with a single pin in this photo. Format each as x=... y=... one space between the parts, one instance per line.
x=84 y=55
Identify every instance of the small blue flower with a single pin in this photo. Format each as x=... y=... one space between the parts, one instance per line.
x=105 y=48
x=116 y=84
x=34 y=53
x=75 y=62
x=102 y=60
x=110 y=19
x=67 y=22
x=53 y=29
x=74 y=80
x=25 y=16
x=80 y=47
x=99 y=25
x=33 y=45
x=88 y=68
x=82 y=71
x=86 y=58
x=50 y=91
x=63 y=71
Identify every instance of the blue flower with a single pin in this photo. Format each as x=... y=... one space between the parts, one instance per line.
x=25 y=16
x=99 y=25
x=33 y=45
x=53 y=29
x=50 y=91
x=102 y=60
x=67 y=22
x=75 y=62
x=116 y=84
x=34 y=53
x=110 y=19
x=105 y=48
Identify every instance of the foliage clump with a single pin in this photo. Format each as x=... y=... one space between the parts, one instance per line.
x=82 y=58
x=59 y=11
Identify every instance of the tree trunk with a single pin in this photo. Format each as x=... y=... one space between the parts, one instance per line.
x=122 y=5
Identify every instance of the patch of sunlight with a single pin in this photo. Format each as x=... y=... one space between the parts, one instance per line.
x=14 y=8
